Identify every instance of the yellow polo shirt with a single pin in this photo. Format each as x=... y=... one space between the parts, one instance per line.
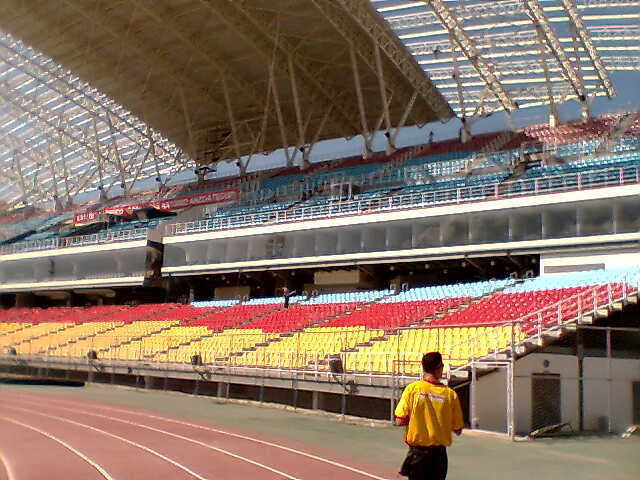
x=433 y=411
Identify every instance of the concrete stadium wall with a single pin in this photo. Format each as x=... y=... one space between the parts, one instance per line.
x=552 y=263
x=541 y=228
x=492 y=398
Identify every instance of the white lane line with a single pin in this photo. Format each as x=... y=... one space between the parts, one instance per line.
x=113 y=435
x=236 y=435
x=100 y=470
x=7 y=467
x=181 y=437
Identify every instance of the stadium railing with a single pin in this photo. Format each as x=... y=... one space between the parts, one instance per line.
x=506 y=189
x=107 y=236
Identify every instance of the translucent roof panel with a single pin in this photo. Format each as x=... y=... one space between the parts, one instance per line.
x=59 y=137
x=485 y=55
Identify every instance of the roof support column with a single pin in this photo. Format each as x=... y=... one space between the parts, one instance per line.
x=545 y=31
x=99 y=160
x=553 y=116
x=279 y=115
x=382 y=86
x=306 y=154
x=116 y=154
x=21 y=182
x=403 y=119
x=187 y=121
x=65 y=170
x=587 y=43
x=360 y=97
x=296 y=101
x=54 y=180
x=232 y=121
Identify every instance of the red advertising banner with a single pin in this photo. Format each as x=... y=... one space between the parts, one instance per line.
x=219 y=196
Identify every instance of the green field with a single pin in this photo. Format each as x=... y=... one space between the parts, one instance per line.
x=471 y=456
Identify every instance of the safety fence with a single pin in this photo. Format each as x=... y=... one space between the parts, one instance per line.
x=428 y=198
x=105 y=236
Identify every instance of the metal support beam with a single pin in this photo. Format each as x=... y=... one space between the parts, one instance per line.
x=363 y=12
x=383 y=87
x=403 y=119
x=296 y=101
x=536 y=13
x=554 y=117
x=232 y=121
x=72 y=89
x=589 y=47
x=278 y=108
x=466 y=44
x=255 y=27
x=359 y=94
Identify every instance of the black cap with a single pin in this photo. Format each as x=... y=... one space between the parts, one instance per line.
x=431 y=362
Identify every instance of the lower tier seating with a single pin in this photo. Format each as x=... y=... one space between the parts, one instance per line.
x=373 y=332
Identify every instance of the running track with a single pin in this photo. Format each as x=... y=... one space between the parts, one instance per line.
x=56 y=437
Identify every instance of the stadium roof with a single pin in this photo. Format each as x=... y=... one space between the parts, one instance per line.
x=486 y=56
x=220 y=79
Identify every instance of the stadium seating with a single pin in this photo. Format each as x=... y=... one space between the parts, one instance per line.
x=374 y=331
x=432 y=174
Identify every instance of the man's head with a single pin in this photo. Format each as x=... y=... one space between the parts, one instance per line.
x=432 y=364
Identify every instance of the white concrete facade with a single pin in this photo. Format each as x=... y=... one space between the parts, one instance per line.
x=491 y=394
x=553 y=263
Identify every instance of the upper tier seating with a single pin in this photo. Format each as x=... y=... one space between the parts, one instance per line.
x=385 y=182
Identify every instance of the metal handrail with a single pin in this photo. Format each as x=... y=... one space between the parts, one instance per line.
x=107 y=236
x=516 y=188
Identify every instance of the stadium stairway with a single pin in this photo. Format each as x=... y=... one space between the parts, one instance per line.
x=144 y=337
x=586 y=307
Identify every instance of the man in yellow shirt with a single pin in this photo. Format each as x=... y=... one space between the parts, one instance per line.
x=430 y=411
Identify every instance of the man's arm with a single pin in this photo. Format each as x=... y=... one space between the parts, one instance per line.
x=458 y=422
x=403 y=409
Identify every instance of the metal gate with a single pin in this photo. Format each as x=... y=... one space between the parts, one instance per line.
x=545 y=400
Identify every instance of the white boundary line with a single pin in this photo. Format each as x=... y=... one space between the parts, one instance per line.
x=236 y=435
x=100 y=470
x=181 y=437
x=7 y=466
x=142 y=447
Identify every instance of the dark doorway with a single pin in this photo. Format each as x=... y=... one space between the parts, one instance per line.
x=545 y=400
x=636 y=403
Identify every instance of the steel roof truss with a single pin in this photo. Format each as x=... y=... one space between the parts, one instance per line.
x=536 y=13
x=466 y=44
x=589 y=47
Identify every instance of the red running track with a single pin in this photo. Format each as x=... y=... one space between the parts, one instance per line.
x=64 y=438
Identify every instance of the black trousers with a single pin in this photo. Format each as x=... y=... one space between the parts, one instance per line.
x=426 y=463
